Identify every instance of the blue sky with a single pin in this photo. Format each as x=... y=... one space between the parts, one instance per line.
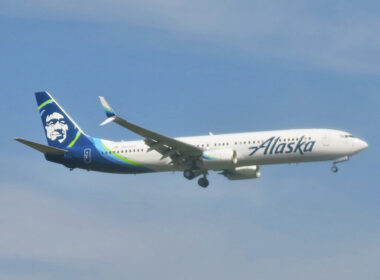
x=187 y=68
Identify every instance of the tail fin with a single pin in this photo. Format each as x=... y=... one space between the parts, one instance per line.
x=61 y=131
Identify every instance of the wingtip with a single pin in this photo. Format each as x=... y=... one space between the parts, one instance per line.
x=104 y=102
x=107 y=107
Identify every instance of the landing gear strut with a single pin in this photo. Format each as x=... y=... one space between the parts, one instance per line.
x=334 y=168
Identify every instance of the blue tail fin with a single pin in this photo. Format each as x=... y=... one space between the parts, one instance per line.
x=61 y=131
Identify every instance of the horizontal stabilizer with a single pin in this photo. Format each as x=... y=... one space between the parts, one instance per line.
x=48 y=150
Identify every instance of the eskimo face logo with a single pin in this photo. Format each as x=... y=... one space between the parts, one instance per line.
x=56 y=127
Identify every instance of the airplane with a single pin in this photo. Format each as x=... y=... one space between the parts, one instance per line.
x=237 y=156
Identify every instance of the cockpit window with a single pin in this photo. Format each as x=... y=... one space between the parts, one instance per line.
x=347 y=136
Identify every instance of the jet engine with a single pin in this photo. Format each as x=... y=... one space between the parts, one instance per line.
x=241 y=173
x=219 y=159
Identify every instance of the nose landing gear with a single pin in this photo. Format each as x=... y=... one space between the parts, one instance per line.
x=334 y=168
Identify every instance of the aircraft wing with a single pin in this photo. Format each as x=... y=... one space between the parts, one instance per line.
x=178 y=151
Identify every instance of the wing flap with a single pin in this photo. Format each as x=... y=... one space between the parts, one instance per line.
x=185 y=148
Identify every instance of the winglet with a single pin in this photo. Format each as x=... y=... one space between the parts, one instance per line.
x=109 y=112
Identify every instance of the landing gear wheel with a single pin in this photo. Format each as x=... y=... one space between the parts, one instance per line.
x=334 y=169
x=188 y=174
x=203 y=182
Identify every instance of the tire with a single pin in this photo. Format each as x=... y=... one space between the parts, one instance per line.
x=188 y=174
x=203 y=182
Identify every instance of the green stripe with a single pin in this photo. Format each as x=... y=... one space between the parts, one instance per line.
x=123 y=158
x=108 y=109
x=43 y=104
x=75 y=140
x=211 y=158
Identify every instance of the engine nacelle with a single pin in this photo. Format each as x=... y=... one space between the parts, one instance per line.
x=219 y=159
x=244 y=172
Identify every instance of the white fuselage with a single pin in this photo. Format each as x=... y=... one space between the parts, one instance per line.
x=226 y=151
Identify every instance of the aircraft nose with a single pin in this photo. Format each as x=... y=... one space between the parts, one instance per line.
x=362 y=145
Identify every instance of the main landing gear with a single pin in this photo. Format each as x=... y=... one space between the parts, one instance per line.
x=191 y=174
x=334 y=168
x=203 y=182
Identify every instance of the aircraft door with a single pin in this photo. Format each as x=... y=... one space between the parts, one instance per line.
x=326 y=140
x=87 y=156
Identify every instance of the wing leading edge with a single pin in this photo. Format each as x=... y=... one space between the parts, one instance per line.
x=178 y=151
